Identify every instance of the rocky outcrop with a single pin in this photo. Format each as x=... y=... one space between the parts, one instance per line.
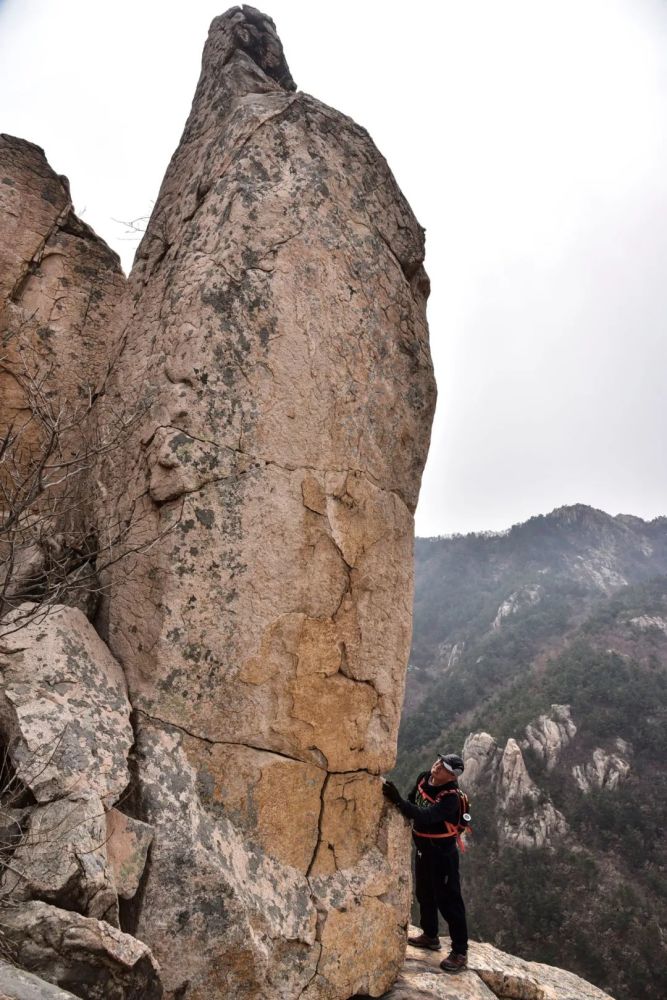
x=604 y=770
x=277 y=354
x=271 y=375
x=650 y=622
x=529 y=819
x=481 y=756
x=516 y=601
x=87 y=957
x=525 y=816
x=491 y=973
x=548 y=737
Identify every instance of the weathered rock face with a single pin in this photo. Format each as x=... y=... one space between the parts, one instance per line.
x=60 y=288
x=278 y=352
x=65 y=716
x=60 y=285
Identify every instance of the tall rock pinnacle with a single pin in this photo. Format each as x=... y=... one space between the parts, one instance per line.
x=275 y=365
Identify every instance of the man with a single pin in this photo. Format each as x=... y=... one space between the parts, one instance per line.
x=436 y=808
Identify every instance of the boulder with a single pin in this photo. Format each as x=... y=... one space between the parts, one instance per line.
x=277 y=356
x=87 y=957
x=62 y=859
x=16 y=984
x=516 y=979
x=64 y=708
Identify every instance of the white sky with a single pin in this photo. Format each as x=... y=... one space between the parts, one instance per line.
x=530 y=137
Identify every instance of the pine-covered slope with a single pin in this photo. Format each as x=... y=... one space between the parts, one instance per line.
x=549 y=645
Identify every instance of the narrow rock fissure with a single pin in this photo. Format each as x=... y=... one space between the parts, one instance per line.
x=319 y=824
x=33 y=263
x=251 y=746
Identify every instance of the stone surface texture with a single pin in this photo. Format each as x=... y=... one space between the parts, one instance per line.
x=62 y=859
x=64 y=708
x=60 y=287
x=277 y=350
x=59 y=282
x=491 y=973
x=16 y=984
x=87 y=957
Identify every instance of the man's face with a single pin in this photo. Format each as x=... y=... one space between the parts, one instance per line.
x=440 y=773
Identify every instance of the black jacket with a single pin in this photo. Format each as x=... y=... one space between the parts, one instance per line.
x=431 y=817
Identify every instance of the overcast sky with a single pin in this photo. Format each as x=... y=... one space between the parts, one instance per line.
x=530 y=137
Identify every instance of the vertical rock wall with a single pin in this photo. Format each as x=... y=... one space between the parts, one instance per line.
x=60 y=288
x=278 y=358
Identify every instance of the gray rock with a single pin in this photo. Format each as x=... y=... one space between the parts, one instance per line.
x=17 y=984
x=88 y=957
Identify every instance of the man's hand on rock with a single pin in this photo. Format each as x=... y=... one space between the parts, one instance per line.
x=391 y=792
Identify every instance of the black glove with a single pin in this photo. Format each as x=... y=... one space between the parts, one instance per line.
x=391 y=792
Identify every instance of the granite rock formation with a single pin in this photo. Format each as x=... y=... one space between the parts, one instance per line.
x=276 y=348
x=550 y=735
x=525 y=816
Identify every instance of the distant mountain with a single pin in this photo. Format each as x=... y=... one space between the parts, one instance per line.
x=544 y=651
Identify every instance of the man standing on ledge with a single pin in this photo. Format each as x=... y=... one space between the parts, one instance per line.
x=437 y=809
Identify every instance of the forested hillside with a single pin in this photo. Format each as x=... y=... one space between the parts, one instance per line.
x=549 y=645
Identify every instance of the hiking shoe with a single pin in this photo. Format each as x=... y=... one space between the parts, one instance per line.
x=454 y=962
x=424 y=941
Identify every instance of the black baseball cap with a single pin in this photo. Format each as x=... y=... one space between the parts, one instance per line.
x=452 y=762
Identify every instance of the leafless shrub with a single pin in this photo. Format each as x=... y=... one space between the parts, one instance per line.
x=53 y=548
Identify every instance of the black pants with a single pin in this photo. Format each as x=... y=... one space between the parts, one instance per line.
x=438 y=887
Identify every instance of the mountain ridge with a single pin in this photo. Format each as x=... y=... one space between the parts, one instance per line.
x=542 y=653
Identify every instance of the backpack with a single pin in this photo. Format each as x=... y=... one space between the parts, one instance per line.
x=462 y=825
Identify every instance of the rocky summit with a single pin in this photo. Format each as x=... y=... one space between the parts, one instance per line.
x=208 y=474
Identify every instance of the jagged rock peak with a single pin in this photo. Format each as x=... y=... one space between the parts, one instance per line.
x=246 y=29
